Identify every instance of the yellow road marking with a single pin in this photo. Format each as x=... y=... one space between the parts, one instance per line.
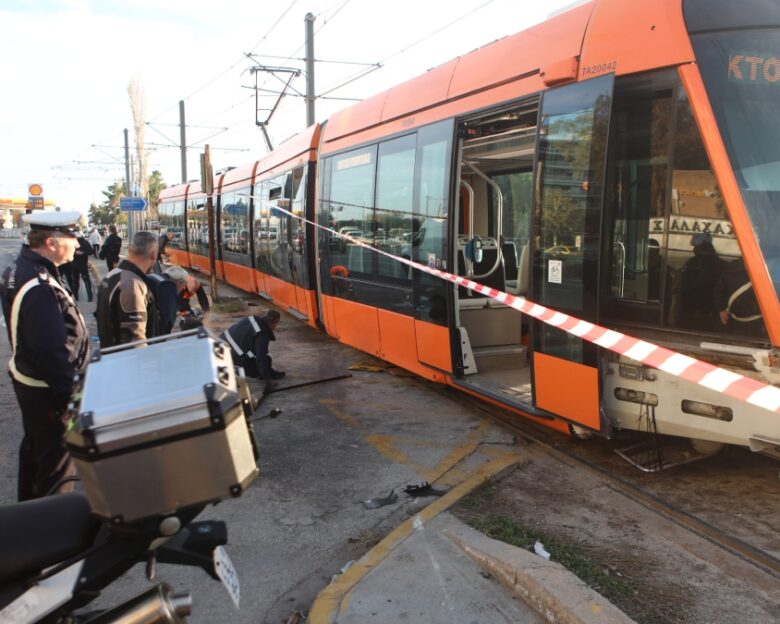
x=334 y=598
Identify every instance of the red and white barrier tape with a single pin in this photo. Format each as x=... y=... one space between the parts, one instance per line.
x=682 y=366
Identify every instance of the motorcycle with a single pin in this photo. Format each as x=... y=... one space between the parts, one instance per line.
x=57 y=557
x=59 y=552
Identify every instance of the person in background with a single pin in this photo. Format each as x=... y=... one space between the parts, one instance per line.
x=126 y=309
x=162 y=255
x=736 y=302
x=79 y=268
x=50 y=345
x=692 y=293
x=111 y=247
x=167 y=287
x=248 y=340
x=95 y=240
x=194 y=289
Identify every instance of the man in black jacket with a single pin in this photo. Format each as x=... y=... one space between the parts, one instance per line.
x=79 y=268
x=50 y=344
x=248 y=340
x=111 y=247
x=167 y=288
x=126 y=310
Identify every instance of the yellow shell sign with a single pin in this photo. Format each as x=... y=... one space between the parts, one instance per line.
x=34 y=190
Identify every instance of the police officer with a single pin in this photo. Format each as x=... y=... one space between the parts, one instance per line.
x=50 y=346
x=248 y=340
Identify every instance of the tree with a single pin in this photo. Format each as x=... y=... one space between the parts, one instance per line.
x=156 y=184
x=108 y=212
x=135 y=91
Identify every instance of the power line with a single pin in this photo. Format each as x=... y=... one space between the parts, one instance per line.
x=222 y=73
x=408 y=47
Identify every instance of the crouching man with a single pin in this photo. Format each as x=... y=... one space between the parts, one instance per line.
x=248 y=340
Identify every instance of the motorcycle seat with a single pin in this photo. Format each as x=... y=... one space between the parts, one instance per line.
x=39 y=533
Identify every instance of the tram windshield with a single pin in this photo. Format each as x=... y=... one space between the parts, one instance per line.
x=741 y=70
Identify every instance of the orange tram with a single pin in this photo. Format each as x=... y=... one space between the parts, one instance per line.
x=619 y=162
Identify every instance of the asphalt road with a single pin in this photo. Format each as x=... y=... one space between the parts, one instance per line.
x=336 y=445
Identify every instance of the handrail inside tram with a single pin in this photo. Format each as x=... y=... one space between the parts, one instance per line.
x=499 y=219
x=470 y=191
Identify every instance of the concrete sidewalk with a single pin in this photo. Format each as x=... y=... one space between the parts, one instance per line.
x=435 y=569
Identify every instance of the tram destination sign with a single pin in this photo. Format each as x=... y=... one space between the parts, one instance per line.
x=132 y=204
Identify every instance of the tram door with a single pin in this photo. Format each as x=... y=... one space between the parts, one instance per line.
x=573 y=132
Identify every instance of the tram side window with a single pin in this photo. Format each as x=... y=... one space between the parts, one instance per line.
x=176 y=224
x=703 y=253
x=198 y=227
x=351 y=209
x=670 y=238
x=392 y=227
x=276 y=223
x=261 y=216
x=235 y=221
x=166 y=215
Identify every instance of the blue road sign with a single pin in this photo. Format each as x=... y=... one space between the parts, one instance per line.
x=132 y=204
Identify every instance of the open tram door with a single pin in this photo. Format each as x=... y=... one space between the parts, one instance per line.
x=569 y=189
x=530 y=185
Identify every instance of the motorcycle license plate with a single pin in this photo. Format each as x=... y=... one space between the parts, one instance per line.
x=227 y=574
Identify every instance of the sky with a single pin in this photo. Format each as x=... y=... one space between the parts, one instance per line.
x=67 y=65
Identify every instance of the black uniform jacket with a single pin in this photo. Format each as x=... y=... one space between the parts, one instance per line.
x=166 y=298
x=81 y=257
x=251 y=335
x=109 y=313
x=52 y=341
x=111 y=247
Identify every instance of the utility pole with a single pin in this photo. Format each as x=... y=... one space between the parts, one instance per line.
x=309 y=69
x=183 y=142
x=127 y=184
x=207 y=186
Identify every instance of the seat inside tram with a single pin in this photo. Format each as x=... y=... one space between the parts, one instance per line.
x=496 y=186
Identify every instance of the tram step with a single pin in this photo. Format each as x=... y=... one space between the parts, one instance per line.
x=501 y=357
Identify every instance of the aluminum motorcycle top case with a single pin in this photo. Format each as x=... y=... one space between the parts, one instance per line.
x=161 y=425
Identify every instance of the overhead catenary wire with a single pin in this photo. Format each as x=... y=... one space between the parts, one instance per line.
x=225 y=71
x=380 y=64
x=327 y=18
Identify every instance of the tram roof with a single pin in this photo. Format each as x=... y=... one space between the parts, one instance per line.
x=591 y=39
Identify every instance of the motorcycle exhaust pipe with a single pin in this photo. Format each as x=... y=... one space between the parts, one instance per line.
x=157 y=605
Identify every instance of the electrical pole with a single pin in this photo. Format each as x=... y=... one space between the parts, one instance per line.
x=127 y=184
x=183 y=135
x=309 y=69
x=207 y=186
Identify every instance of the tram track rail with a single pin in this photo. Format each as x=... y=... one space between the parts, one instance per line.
x=527 y=431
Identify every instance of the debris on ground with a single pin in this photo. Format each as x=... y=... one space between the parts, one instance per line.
x=296 y=617
x=375 y=503
x=424 y=489
x=539 y=550
x=370 y=367
x=381 y=367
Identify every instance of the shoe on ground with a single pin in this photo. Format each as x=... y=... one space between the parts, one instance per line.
x=277 y=374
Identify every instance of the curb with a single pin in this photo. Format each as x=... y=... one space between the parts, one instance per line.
x=556 y=594
x=328 y=602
